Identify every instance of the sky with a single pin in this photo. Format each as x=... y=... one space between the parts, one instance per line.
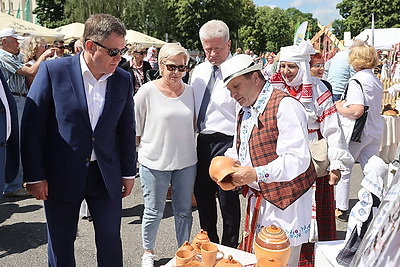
x=322 y=10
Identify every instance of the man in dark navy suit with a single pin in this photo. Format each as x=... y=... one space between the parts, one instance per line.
x=78 y=141
x=9 y=137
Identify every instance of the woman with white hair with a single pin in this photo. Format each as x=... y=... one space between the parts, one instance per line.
x=32 y=47
x=294 y=77
x=165 y=129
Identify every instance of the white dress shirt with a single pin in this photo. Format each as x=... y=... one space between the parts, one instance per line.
x=95 y=91
x=222 y=109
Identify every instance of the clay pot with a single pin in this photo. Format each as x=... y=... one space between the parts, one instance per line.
x=200 y=239
x=272 y=243
x=229 y=262
x=186 y=246
x=267 y=262
x=185 y=256
x=220 y=171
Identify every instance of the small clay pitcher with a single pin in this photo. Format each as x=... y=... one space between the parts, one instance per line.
x=272 y=243
x=186 y=246
x=268 y=262
x=200 y=239
x=229 y=262
x=220 y=170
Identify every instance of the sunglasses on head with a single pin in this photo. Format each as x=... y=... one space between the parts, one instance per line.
x=112 y=52
x=172 y=67
x=140 y=52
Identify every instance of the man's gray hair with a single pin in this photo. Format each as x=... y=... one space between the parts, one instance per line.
x=214 y=29
x=99 y=27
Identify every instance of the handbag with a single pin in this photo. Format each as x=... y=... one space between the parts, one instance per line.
x=360 y=122
x=319 y=157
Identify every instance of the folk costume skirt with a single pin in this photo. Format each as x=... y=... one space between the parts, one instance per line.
x=326 y=221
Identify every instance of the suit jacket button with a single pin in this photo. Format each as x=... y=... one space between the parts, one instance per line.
x=93 y=139
x=87 y=159
x=3 y=144
x=2 y=110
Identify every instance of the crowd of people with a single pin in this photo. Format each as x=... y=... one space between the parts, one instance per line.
x=88 y=118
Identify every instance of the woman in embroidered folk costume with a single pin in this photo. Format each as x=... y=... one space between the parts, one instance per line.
x=364 y=90
x=273 y=151
x=323 y=123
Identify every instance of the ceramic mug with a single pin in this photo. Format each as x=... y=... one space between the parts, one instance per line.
x=184 y=256
x=209 y=254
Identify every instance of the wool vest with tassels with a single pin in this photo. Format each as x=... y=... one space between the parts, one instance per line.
x=262 y=146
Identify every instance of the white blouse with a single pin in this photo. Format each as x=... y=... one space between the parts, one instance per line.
x=166 y=127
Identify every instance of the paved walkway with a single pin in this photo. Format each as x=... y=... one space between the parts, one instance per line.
x=23 y=231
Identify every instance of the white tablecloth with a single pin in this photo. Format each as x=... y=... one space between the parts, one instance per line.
x=326 y=252
x=243 y=257
x=390 y=138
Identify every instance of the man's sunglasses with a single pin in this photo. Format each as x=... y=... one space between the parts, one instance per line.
x=140 y=52
x=172 y=67
x=112 y=52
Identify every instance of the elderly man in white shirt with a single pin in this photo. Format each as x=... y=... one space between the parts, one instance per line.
x=215 y=111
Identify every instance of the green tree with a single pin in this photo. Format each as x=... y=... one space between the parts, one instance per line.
x=189 y=15
x=273 y=29
x=357 y=14
x=50 y=13
x=339 y=28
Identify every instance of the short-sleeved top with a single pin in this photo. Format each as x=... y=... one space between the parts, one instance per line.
x=9 y=65
x=371 y=96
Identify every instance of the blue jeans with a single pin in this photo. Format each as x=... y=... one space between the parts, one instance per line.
x=155 y=187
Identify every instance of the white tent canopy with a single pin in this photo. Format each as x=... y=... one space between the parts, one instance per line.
x=71 y=31
x=28 y=28
x=75 y=31
x=133 y=37
x=383 y=38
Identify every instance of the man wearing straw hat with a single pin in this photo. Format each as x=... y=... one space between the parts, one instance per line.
x=272 y=149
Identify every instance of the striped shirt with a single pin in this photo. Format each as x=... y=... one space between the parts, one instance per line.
x=9 y=65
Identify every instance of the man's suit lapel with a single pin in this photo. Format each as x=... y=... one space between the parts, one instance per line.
x=75 y=74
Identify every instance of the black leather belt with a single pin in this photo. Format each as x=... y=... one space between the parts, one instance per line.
x=214 y=137
x=19 y=94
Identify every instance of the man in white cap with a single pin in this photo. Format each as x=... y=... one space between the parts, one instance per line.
x=272 y=149
x=14 y=71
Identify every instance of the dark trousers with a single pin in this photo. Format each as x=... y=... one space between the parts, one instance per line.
x=205 y=189
x=62 y=222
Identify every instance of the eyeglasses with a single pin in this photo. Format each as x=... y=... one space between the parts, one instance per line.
x=112 y=52
x=61 y=47
x=140 y=52
x=172 y=67
x=318 y=65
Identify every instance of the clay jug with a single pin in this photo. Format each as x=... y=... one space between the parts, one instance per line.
x=272 y=242
x=267 y=262
x=229 y=262
x=200 y=239
x=186 y=246
x=220 y=171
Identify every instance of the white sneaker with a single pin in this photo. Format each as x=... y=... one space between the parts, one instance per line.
x=148 y=260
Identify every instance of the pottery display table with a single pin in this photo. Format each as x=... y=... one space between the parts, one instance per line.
x=390 y=138
x=326 y=252
x=243 y=257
